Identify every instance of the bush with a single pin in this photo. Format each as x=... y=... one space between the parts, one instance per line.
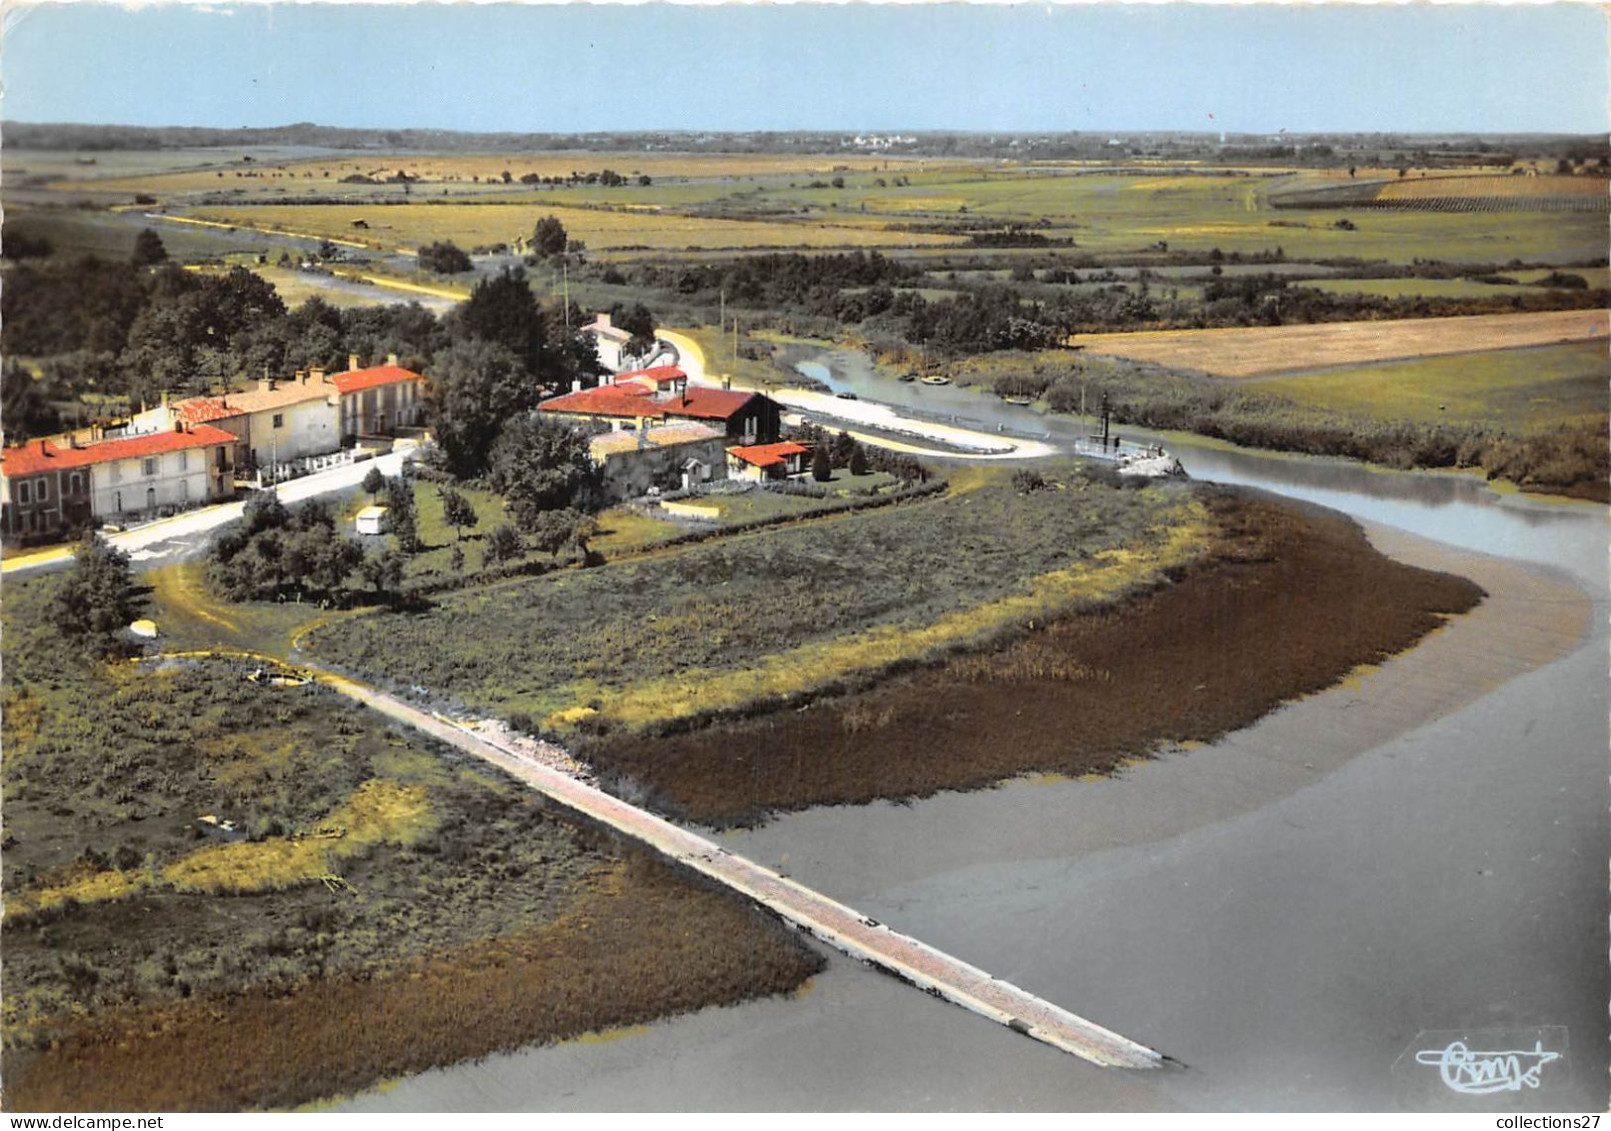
x=444 y=258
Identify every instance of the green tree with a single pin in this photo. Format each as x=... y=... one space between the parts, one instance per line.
x=444 y=258
x=549 y=238
x=844 y=446
x=456 y=559
x=473 y=388
x=503 y=310
x=638 y=321
x=98 y=600
x=373 y=481
x=148 y=249
x=458 y=512
x=502 y=544
x=542 y=465
x=821 y=464
x=403 y=514
x=383 y=571
x=24 y=407
x=858 y=460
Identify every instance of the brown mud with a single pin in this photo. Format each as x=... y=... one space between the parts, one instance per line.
x=1287 y=602
x=645 y=943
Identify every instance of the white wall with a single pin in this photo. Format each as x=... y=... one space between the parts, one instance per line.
x=308 y=428
x=181 y=479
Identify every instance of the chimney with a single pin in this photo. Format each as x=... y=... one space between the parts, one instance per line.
x=316 y=373
x=165 y=400
x=72 y=440
x=44 y=447
x=352 y=363
x=391 y=359
x=266 y=385
x=604 y=320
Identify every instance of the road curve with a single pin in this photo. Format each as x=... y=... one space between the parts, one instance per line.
x=965 y=443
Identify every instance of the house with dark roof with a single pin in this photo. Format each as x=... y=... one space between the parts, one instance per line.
x=48 y=486
x=743 y=417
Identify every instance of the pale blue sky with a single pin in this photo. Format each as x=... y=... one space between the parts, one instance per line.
x=862 y=67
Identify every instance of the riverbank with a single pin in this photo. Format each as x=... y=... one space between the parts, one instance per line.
x=224 y=892
x=1283 y=910
x=635 y=946
x=1285 y=602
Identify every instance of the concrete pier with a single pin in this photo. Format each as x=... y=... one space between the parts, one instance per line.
x=810 y=911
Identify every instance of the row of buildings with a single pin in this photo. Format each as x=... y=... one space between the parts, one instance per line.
x=661 y=432
x=190 y=452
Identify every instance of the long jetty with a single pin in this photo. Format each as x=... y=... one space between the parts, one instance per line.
x=812 y=912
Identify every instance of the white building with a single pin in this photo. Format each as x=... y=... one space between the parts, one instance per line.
x=48 y=487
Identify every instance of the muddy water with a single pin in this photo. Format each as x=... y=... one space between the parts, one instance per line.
x=1420 y=850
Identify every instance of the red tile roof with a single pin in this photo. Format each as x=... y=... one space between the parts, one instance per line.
x=632 y=399
x=38 y=456
x=357 y=379
x=202 y=410
x=766 y=455
x=606 y=400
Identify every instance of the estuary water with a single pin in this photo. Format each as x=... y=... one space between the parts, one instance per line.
x=1338 y=907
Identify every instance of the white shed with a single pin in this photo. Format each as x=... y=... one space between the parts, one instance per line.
x=372 y=520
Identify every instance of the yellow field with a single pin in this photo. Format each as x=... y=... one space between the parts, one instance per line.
x=1493 y=184
x=407 y=226
x=440 y=168
x=1256 y=351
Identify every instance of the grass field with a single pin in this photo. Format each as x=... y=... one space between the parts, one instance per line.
x=154 y=960
x=1521 y=389
x=1442 y=288
x=73 y=231
x=1259 y=351
x=461 y=168
x=720 y=625
x=408 y=226
x=1283 y=604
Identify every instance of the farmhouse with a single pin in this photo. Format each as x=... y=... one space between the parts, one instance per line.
x=47 y=487
x=767 y=461
x=745 y=418
x=670 y=457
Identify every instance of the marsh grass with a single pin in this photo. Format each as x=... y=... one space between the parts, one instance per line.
x=1283 y=603
x=738 y=620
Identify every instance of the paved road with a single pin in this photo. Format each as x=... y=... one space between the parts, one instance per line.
x=960 y=443
x=169 y=539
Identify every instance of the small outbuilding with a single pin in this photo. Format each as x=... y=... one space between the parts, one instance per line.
x=373 y=520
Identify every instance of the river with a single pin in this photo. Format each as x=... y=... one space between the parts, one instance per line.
x=1412 y=859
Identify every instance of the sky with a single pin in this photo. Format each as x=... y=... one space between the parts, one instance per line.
x=856 y=68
